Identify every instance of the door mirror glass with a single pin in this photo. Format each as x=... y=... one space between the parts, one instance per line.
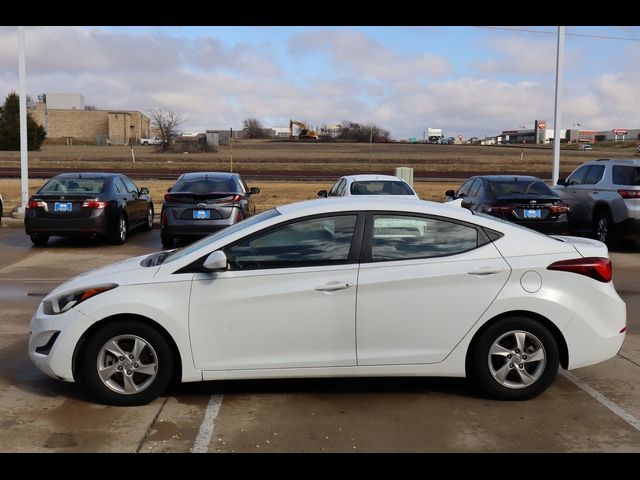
x=215 y=261
x=144 y=191
x=254 y=190
x=322 y=193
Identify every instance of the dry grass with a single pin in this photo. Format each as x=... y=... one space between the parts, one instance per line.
x=271 y=194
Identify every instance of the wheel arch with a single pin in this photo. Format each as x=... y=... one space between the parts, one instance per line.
x=548 y=324
x=79 y=349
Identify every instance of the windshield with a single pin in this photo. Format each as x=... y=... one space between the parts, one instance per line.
x=377 y=187
x=73 y=185
x=521 y=187
x=214 y=237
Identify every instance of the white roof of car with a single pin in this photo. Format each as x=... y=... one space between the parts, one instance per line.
x=368 y=178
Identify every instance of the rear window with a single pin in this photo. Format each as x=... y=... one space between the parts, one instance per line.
x=380 y=187
x=206 y=185
x=73 y=185
x=526 y=187
x=623 y=175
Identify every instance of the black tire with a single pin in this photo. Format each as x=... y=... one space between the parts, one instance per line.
x=167 y=241
x=92 y=356
x=119 y=236
x=39 y=239
x=603 y=228
x=148 y=224
x=544 y=372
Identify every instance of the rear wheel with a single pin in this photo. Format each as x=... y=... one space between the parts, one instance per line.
x=120 y=235
x=167 y=241
x=515 y=359
x=603 y=228
x=126 y=363
x=148 y=225
x=39 y=239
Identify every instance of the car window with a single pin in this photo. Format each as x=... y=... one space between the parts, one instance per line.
x=594 y=175
x=341 y=188
x=464 y=189
x=380 y=187
x=475 y=187
x=73 y=185
x=577 y=178
x=312 y=242
x=119 y=185
x=334 y=189
x=131 y=188
x=243 y=185
x=626 y=175
x=398 y=237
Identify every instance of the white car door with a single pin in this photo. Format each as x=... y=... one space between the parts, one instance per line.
x=288 y=299
x=422 y=285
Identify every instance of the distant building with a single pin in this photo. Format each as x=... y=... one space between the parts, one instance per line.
x=223 y=135
x=280 y=132
x=618 y=134
x=68 y=120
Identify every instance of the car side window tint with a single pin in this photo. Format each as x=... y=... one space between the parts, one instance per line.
x=397 y=237
x=577 y=178
x=312 y=242
x=119 y=186
x=475 y=187
x=131 y=188
x=464 y=189
x=242 y=186
x=341 y=188
x=334 y=189
x=594 y=175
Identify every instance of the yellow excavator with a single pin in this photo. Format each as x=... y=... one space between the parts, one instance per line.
x=305 y=133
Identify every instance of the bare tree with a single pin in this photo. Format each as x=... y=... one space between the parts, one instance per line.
x=364 y=133
x=90 y=107
x=254 y=129
x=167 y=123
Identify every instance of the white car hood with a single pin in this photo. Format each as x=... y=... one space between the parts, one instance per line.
x=135 y=273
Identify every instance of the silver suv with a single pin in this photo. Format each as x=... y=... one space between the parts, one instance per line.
x=604 y=197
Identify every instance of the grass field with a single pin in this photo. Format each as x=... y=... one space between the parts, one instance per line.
x=271 y=194
x=260 y=155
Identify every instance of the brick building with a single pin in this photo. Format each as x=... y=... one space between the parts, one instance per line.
x=118 y=127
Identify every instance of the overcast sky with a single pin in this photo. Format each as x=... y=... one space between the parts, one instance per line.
x=467 y=80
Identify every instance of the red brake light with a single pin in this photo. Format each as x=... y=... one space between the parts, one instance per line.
x=629 y=193
x=228 y=200
x=94 y=204
x=557 y=209
x=594 y=267
x=36 y=204
x=168 y=197
x=497 y=208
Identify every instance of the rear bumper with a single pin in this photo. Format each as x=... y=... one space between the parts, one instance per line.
x=173 y=227
x=97 y=223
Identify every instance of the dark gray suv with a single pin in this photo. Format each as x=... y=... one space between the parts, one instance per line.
x=604 y=197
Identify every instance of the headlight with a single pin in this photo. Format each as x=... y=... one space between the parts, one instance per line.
x=66 y=301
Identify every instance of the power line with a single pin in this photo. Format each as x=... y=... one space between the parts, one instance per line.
x=606 y=37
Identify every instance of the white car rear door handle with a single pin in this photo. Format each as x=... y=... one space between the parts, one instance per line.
x=485 y=271
x=333 y=286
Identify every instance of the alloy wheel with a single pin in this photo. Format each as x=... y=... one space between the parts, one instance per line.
x=517 y=359
x=127 y=364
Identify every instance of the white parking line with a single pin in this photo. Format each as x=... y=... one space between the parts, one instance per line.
x=614 y=407
x=201 y=443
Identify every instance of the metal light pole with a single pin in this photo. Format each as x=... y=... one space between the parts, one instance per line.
x=22 y=91
x=556 y=122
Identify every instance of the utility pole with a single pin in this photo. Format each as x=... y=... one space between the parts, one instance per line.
x=370 y=147
x=24 y=156
x=557 y=116
x=231 y=146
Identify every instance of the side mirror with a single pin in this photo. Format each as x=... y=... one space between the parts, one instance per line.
x=254 y=190
x=562 y=181
x=466 y=204
x=144 y=191
x=215 y=261
x=322 y=193
x=450 y=193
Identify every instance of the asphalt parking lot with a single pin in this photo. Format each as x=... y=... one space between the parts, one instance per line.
x=593 y=409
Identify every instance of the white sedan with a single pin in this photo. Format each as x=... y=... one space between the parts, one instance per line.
x=337 y=287
x=359 y=185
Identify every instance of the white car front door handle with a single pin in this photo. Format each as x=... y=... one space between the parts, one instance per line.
x=485 y=271
x=333 y=286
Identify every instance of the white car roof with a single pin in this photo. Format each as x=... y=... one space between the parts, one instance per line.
x=369 y=177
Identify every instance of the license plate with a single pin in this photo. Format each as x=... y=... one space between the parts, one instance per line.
x=201 y=214
x=532 y=213
x=62 y=207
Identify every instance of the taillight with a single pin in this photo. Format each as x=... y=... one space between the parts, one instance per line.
x=164 y=220
x=36 y=204
x=497 y=208
x=229 y=200
x=597 y=268
x=168 y=197
x=629 y=193
x=558 y=209
x=94 y=204
x=239 y=216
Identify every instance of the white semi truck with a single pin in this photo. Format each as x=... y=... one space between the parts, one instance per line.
x=433 y=135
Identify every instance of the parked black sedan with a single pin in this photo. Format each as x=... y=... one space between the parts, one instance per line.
x=203 y=202
x=91 y=204
x=524 y=200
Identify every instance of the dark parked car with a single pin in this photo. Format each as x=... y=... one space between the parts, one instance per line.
x=204 y=202
x=524 y=200
x=92 y=204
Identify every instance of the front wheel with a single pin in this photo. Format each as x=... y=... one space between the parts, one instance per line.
x=126 y=363
x=148 y=225
x=39 y=239
x=515 y=359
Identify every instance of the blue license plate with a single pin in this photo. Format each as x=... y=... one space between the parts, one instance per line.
x=532 y=213
x=201 y=214
x=62 y=207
